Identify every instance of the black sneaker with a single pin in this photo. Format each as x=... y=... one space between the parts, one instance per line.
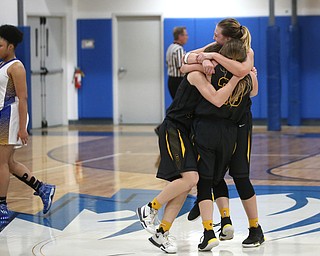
x=226 y=230
x=255 y=238
x=208 y=241
x=194 y=212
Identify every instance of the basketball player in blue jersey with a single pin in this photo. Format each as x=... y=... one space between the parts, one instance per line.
x=13 y=122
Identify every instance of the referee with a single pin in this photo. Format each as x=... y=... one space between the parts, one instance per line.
x=174 y=57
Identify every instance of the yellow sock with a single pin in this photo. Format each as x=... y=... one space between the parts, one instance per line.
x=225 y=212
x=207 y=224
x=253 y=223
x=155 y=204
x=165 y=225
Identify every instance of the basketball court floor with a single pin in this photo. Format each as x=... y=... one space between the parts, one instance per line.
x=104 y=172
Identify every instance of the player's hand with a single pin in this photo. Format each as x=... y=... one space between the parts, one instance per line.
x=255 y=71
x=208 y=67
x=23 y=135
x=214 y=63
x=201 y=57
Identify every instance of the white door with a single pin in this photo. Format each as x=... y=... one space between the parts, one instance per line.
x=46 y=67
x=138 y=70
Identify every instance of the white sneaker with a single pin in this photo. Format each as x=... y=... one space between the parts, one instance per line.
x=148 y=218
x=163 y=242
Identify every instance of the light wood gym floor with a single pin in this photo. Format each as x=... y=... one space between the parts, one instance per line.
x=104 y=172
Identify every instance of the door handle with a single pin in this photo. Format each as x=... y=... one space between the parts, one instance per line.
x=122 y=70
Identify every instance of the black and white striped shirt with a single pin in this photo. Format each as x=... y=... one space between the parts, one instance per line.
x=174 y=56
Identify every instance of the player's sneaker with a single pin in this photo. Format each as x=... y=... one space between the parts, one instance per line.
x=46 y=193
x=162 y=241
x=208 y=241
x=4 y=212
x=226 y=230
x=148 y=218
x=255 y=238
x=194 y=212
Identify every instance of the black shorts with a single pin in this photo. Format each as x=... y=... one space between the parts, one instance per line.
x=215 y=142
x=177 y=153
x=240 y=161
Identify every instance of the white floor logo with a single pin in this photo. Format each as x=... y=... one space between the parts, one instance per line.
x=100 y=221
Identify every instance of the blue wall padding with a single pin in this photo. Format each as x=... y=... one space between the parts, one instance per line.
x=294 y=92
x=309 y=66
x=274 y=78
x=23 y=54
x=200 y=32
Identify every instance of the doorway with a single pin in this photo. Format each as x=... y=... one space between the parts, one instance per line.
x=46 y=71
x=138 y=69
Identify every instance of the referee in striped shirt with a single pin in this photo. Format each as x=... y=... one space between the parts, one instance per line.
x=174 y=60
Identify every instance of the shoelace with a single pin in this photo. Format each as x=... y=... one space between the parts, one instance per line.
x=201 y=239
x=169 y=239
x=154 y=218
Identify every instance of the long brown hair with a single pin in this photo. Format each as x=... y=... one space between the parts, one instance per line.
x=235 y=49
x=230 y=27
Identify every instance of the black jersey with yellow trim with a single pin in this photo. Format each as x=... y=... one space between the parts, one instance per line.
x=181 y=110
x=232 y=111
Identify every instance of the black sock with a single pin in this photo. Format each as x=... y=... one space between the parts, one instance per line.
x=3 y=200
x=160 y=230
x=33 y=182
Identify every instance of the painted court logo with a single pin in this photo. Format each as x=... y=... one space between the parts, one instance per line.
x=284 y=211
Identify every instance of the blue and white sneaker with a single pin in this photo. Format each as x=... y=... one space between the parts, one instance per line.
x=4 y=212
x=46 y=193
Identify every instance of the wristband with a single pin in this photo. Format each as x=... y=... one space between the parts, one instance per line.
x=185 y=59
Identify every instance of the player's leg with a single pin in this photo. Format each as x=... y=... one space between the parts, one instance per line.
x=45 y=191
x=161 y=238
x=221 y=194
x=6 y=151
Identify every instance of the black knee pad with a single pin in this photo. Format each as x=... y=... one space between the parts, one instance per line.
x=244 y=188
x=204 y=187
x=221 y=190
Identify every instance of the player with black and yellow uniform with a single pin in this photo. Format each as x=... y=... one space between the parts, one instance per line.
x=215 y=137
x=178 y=161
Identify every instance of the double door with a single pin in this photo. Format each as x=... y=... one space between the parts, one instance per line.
x=48 y=106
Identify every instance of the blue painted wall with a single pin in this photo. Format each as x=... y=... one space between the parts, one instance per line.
x=95 y=95
x=23 y=54
x=200 y=32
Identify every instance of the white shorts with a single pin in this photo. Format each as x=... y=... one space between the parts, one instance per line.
x=9 y=125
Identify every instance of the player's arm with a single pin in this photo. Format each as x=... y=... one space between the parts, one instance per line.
x=237 y=68
x=255 y=85
x=187 y=68
x=191 y=57
x=216 y=97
